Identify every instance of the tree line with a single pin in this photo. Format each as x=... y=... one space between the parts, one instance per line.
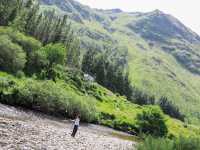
x=59 y=46
x=47 y=27
x=110 y=69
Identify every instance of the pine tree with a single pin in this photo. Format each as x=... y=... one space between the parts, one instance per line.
x=8 y=9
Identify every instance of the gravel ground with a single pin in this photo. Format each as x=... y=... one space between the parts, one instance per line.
x=26 y=130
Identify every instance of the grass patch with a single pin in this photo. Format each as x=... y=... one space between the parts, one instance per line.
x=180 y=143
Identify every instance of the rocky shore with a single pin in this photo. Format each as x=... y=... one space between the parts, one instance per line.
x=26 y=130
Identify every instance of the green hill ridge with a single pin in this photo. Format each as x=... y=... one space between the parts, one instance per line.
x=163 y=53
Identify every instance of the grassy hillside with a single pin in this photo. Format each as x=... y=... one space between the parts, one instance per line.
x=161 y=63
x=69 y=91
x=100 y=105
x=155 y=71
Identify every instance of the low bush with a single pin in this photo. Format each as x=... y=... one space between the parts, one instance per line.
x=142 y=98
x=151 y=121
x=122 y=125
x=37 y=62
x=20 y=74
x=27 y=43
x=46 y=96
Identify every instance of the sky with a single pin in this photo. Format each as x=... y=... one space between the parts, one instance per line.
x=187 y=11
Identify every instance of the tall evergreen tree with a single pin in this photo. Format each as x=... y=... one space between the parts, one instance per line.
x=109 y=69
x=8 y=9
x=169 y=108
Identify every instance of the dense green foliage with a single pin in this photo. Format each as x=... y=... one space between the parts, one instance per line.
x=23 y=53
x=151 y=121
x=109 y=69
x=142 y=98
x=12 y=56
x=73 y=93
x=37 y=61
x=8 y=11
x=47 y=27
x=56 y=54
x=28 y=43
x=16 y=49
x=180 y=143
x=46 y=96
x=170 y=109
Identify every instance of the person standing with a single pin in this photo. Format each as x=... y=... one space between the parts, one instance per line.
x=76 y=125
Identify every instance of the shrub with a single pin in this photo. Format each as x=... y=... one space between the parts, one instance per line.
x=37 y=62
x=141 y=98
x=5 y=85
x=123 y=125
x=12 y=56
x=151 y=121
x=27 y=43
x=47 y=97
x=20 y=74
x=44 y=61
x=106 y=116
x=84 y=105
x=56 y=53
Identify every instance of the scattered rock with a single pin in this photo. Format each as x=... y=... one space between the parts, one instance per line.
x=46 y=133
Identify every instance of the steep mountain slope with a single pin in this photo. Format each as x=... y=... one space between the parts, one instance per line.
x=160 y=72
x=164 y=55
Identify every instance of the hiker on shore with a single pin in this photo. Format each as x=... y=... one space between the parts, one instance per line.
x=76 y=125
